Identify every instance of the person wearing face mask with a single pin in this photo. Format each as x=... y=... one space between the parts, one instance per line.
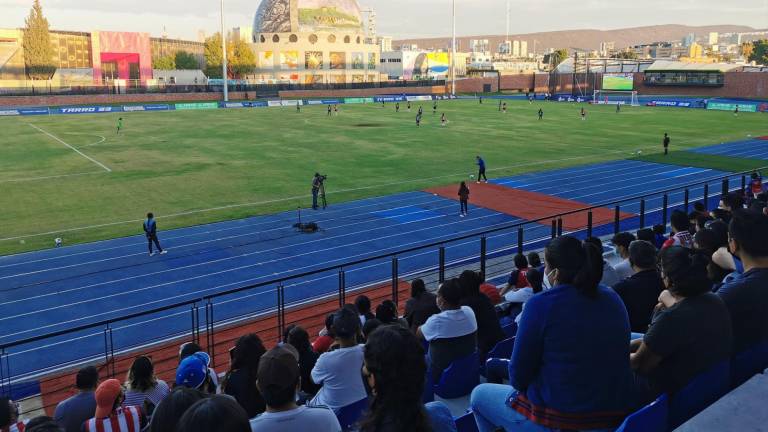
x=747 y=295
x=690 y=329
x=570 y=364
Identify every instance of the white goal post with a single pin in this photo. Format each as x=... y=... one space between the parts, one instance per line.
x=615 y=97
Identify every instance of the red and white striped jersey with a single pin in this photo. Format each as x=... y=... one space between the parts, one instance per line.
x=16 y=427
x=126 y=419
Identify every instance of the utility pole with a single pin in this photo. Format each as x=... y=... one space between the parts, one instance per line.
x=224 y=55
x=453 y=53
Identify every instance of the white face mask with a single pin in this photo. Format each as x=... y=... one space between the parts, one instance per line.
x=546 y=283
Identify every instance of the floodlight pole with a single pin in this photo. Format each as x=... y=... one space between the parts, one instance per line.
x=224 y=55
x=453 y=53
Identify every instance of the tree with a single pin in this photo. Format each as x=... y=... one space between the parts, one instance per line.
x=185 y=60
x=747 y=49
x=241 y=58
x=166 y=62
x=627 y=55
x=213 y=56
x=759 y=52
x=558 y=56
x=39 y=56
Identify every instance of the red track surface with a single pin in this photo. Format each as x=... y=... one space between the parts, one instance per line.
x=529 y=205
x=164 y=357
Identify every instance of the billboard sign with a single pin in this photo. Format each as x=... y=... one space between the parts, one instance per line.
x=327 y=15
x=197 y=106
x=88 y=110
x=720 y=106
x=619 y=81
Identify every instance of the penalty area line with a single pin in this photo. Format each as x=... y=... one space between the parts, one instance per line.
x=107 y=169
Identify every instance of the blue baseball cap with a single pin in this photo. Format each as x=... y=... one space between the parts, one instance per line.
x=192 y=372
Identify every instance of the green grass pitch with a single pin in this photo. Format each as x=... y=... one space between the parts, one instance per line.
x=192 y=167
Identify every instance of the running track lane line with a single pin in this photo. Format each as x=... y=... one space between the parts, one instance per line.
x=72 y=148
x=251 y=204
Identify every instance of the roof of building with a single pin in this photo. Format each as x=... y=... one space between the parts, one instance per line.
x=666 y=65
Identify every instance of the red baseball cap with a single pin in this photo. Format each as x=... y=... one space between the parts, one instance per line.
x=106 y=395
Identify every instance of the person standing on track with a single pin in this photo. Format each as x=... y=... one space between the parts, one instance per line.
x=481 y=170
x=463 y=199
x=150 y=229
x=666 y=144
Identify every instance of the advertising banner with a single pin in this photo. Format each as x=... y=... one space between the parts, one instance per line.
x=720 y=106
x=669 y=103
x=313 y=60
x=35 y=111
x=87 y=110
x=338 y=60
x=418 y=98
x=235 y=105
x=619 y=81
x=323 y=15
x=197 y=106
x=284 y=103
x=158 y=107
x=380 y=99
x=358 y=100
x=289 y=60
x=9 y=112
x=438 y=64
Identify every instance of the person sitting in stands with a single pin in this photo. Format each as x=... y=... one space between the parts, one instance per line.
x=325 y=340
x=517 y=279
x=622 y=241
x=338 y=371
x=395 y=370
x=169 y=412
x=190 y=348
x=109 y=413
x=299 y=339
x=73 y=412
x=680 y=234
x=279 y=380
x=370 y=326
x=9 y=416
x=363 y=305
x=610 y=277
x=534 y=261
x=452 y=334
x=490 y=291
x=240 y=380
x=570 y=364
x=193 y=372
x=690 y=330
x=536 y=280
x=489 y=331
x=386 y=312
x=43 y=424
x=640 y=292
x=420 y=306
x=747 y=296
x=217 y=413
x=143 y=389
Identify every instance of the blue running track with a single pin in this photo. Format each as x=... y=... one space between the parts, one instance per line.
x=750 y=149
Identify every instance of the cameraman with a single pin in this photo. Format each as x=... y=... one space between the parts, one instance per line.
x=318 y=188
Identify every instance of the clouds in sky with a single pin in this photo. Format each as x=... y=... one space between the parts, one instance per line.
x=398 y=18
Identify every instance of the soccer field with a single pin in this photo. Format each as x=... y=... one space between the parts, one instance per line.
x=74 y=177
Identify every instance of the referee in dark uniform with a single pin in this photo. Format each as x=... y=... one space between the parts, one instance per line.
x=150 y=229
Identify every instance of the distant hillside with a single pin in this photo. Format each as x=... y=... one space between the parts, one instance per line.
x=584 y=39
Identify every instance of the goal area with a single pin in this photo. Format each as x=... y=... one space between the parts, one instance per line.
x=615 y=97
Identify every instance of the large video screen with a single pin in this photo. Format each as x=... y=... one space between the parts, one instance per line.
x=619 y=81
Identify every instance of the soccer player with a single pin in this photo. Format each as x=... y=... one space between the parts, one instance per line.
x=583 y=114
x=504 y=108
x=409 y=106
x=421 y=110
x=382 y=104
x=618 y=107
x=666 y=144
x=119 y=125
x=443 y=121
x=481 y=170
x=736 y=111
x=336 y=109
x=150 y=229
x=481 y=100
x=397 y=107
x=418 y=119
x=329 y=110
x=499 y=105
x=298 y=107
x=541 y=114
x=434 y=108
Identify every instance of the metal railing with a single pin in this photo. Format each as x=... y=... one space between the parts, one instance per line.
x=487 y=250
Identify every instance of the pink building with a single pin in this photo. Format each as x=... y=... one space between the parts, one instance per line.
x=121 y=55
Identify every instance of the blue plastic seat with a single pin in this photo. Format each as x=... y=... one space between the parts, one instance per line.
x=701 y=392
x=466 y=423
x=749 y=363
x=459 y=378
x=503 y=349
x=349 y=415
x=510 y=330
x=496 y=370
x=651 y=418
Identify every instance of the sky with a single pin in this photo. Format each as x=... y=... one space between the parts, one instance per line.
x=398 y=18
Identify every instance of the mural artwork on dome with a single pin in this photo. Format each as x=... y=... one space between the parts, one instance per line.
x=318 y=15
x=273 y=16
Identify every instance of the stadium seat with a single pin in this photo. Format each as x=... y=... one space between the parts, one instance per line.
x=350 y=414
x=502 y=350
x=496 y=370
x=701 y=392
x=748 y=364
x=459 y=378
x=466 y=423
x=650 y=418
x=510 y=330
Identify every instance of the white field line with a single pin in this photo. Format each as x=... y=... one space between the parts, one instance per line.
x=72 y=148
x=304 y=197
x=30 y=179
x=101 y=138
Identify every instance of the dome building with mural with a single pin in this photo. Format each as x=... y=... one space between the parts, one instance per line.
x=313 y=42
